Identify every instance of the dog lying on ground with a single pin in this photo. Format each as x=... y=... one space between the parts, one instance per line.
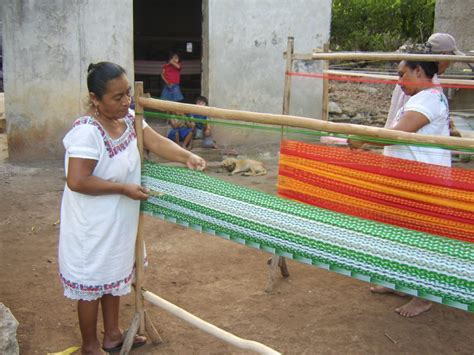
x=248 y=167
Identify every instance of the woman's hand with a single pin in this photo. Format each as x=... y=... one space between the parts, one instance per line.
x=195 y=162
x=135 y=192
x=355 y=143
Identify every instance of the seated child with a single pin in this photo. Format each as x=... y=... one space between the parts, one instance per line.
x=203 y=130
x=181 y=132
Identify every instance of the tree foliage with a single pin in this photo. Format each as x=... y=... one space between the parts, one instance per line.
x=380 y=25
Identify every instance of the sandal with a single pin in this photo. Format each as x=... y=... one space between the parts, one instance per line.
x=117 y=348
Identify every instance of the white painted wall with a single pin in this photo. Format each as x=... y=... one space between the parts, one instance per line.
x=243 y=57
x=456 y=17
x=47 y=48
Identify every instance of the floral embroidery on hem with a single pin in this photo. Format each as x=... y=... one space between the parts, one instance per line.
x=76 y=290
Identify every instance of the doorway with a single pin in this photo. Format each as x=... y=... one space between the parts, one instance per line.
x=161 y=27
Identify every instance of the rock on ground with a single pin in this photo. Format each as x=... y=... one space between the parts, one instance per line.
x=334 y=108
x=8 y=326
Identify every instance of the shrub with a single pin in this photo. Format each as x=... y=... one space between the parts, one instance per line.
x=380 y=25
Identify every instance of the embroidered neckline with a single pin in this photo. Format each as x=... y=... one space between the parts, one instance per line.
x=113 y=146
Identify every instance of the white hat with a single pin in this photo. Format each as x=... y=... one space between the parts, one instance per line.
x=442 y=43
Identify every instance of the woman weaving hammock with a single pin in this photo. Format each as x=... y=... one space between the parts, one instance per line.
x=101 y=202
x=426 y=112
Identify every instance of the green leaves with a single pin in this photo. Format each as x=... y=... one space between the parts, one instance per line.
x=380 y=25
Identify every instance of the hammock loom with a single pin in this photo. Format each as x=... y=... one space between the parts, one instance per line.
x=431 y=267
x=424 y=197
x=408 y=261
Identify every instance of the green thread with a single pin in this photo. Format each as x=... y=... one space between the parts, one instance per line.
x=307 y=132
x=200 y=181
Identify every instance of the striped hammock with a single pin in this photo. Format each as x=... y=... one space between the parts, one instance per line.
x=435 y=268
x=424 y=197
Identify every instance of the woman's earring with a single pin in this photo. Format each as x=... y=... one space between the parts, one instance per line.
x=96 y=114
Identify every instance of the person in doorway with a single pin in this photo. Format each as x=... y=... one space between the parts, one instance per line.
x=171 y=75
x=438 y=43
x=101 y=203
x=426 y=112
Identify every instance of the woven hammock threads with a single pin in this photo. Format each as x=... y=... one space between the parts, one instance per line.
x=436 y=268
x=409 y=194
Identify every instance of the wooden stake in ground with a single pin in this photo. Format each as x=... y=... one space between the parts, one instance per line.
x=139 y=324
x=278 y=261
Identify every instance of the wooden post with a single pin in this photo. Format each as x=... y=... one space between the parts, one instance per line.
x=276 y=260
x=139 y=246
x=132 y=330
x=325 y=102
x=138 y=324
x=273 y=263
x=287 y=85
x=289 y=68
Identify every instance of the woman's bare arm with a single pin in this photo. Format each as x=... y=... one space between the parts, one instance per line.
x=169 y=150
x=80 y=179
x=411 y=121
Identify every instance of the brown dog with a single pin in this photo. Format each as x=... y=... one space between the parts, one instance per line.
x=248 y=167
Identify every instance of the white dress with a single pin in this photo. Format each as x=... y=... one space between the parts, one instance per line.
x=399 y=99
x=432 y=104
x=97 y=233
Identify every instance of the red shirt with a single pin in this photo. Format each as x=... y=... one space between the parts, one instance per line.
x=172 y=74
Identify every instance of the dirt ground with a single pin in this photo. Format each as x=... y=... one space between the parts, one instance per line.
x=312 y=311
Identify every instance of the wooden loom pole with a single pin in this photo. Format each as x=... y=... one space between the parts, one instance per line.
x=139 y=247
x=346 y=73
x=139 y=324
x=278 y=261
x=207 y=327
x=389 y=56
x=288 y=69
x=287 y=84
x=325 y=86
x=308 y=123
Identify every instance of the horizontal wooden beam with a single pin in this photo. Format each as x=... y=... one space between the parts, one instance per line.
x=394 y=77
x=305 y=122
x=390 y=56
x=297 y=56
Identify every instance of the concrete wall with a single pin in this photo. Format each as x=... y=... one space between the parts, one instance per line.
x=47 y=48
x=456 y=17
x=243 y=67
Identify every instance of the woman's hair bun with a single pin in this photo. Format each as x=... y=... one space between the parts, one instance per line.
x=90 y=67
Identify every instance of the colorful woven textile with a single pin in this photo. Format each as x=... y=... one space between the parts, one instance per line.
x=435 y=268
x=423 y=197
